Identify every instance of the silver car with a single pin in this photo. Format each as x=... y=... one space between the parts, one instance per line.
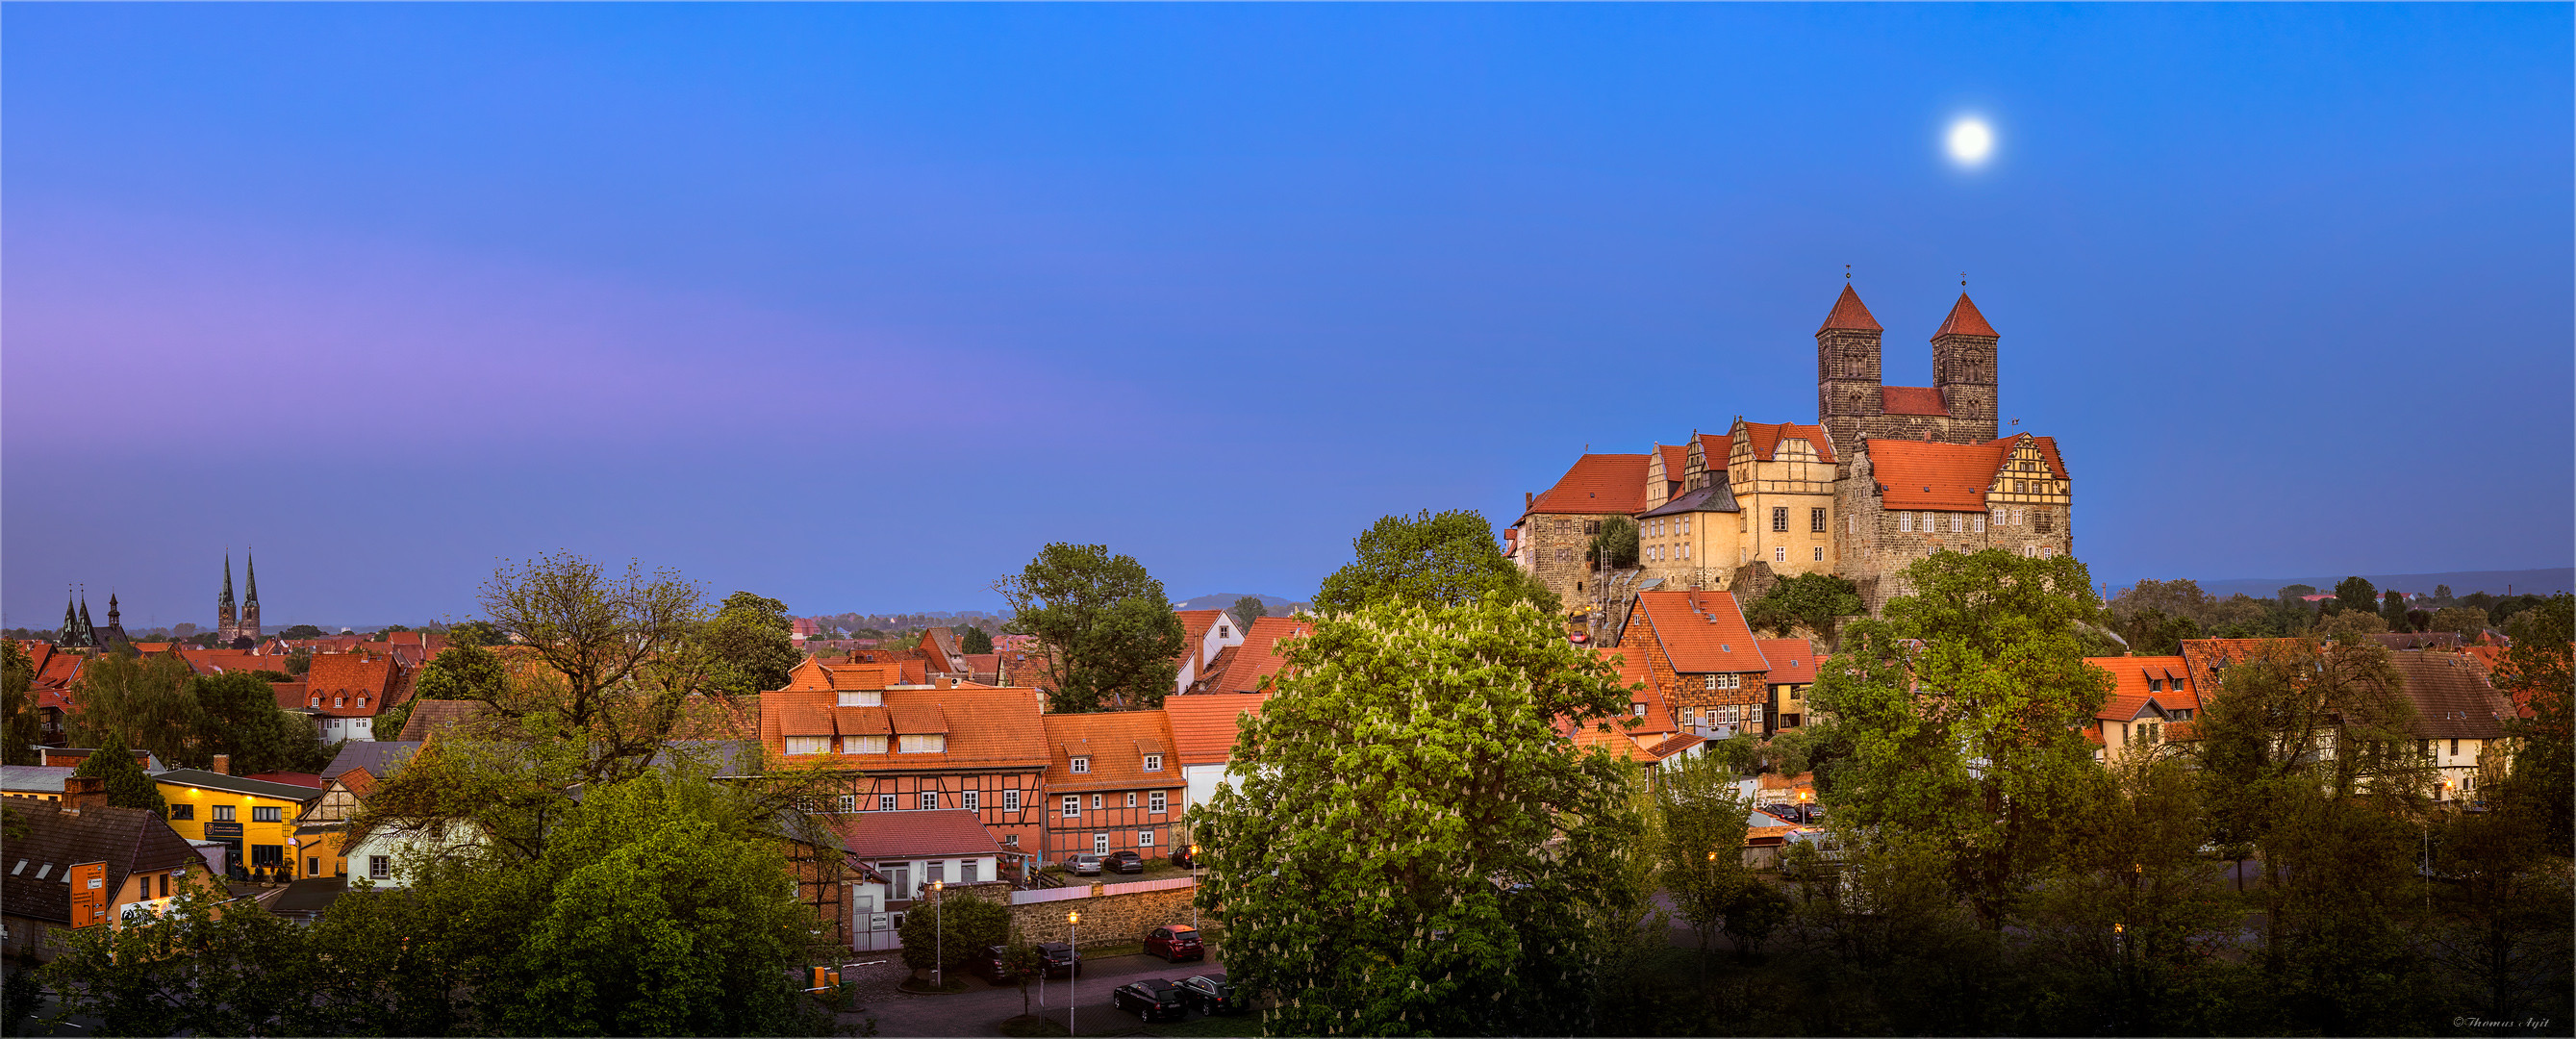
x=1083 y=864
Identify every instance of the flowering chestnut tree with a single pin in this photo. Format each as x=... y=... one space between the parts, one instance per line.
x=1410 y=845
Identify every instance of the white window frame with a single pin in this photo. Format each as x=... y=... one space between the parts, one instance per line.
x=1081 y=765
x=971 y=800
x=1100 y=844
x=1157 y=803
x=930 y=800
x=1011 y=800
x=380 y=867
x=1095 y=802
x=1153 y=762
x=1144 y=838
x=1131 y=799
x=849 y=802
x=1779 y=553
x=1820 y=553
x=1977 y=523
x=923 y=743
x=861 y=698
x=885 y=802
x=1958 y=523
x=1072 y=806
x=798 y=745
x=863 y=744
x=1905 y=523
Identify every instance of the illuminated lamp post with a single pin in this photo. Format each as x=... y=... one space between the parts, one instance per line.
x=939 y=921
x=1194 y=886
x=1073 y=975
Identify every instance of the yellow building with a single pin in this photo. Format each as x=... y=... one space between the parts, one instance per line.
x=1783 y=479
x=1687 y=535
x=256 y=818
x=321 y=830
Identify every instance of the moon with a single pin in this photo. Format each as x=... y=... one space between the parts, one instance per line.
x=1970 y=141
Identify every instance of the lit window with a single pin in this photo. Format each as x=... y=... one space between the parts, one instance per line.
x=223 y=813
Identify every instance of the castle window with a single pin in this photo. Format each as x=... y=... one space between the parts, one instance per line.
x=1780 y=555
x=1957 y=522
x=1978 y=522
x=1685 y=524
x=1905 y=523
x=1816 y=521
x=2047 y=522
x=1927 y=523
x=1780 y=519
x=2021 y=487
x=1592 y=526
x=1820 y=553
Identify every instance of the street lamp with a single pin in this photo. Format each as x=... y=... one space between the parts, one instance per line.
x=939 y=922
x=1194 y=886
x=1073 y=976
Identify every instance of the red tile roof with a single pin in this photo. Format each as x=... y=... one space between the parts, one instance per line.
x=1258 y=657
x=1911 y=400
x=1204 y=724
x=358 y=781
x=2453 y=699
x=1703 y=632
x=985 y=728
x=1676 y=459
x=1926 y=475
x=1793 y=661
x=913 y=835
x=1598 y=485
x=1848 y=313
x=1116 y=742
x=1634 y=670
x=1194 y=629
x=1964 y=320
x=340 y=681
x=1765 y=438
x=2130 y=695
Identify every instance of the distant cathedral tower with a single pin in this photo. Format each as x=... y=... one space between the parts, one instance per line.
x=226 y=625
x=1848 y=396
x=249 y=627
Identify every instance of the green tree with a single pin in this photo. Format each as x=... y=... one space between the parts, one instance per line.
x=301 y=631
x=138 y=702
x=2466 y=621
x=1108 y=630
x=2354 y=593
x=1964 y=708
x=974 y=640
x=476 y=633
x=127 y=784
x=239 y=717
x=1816 y=602
x=1390 y=861
x=2537 y=673
x=20 y=725
x=462 y=672
x=1247 y=610
x=2150 y=633
x=1615 y=547
x=2392 y=608
x=1702 y=852
x=751 y=642
x=946 y=939
x=1440 y=559
x=619 y=652
x=200 y=967
x=2179 y=598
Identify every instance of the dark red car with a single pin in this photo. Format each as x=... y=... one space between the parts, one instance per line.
x=1175 y=943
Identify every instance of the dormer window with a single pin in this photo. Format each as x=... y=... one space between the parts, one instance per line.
x=926 y=743
x=1081 y=765
x=862 y=698
x=339 y=701
x=1153 y=762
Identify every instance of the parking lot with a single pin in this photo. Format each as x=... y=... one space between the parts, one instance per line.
x=981 y=1009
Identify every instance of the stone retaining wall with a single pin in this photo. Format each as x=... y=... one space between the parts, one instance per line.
x=1107 y=920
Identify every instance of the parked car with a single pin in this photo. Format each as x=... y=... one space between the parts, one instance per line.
x=1082 y=864
x=994 y=964
x=1150 y=998
x=1175 y=943
x=1211 y=994
x=1181 y=857
x=1060 y=959
x=1126 y=862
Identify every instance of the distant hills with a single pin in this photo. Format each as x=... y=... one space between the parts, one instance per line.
x=2544 y=581
x=1277 y=606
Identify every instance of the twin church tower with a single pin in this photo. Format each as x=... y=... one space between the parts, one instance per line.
x=228 y=625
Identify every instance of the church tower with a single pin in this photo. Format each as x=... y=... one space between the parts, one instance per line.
x=250 y=597
x=1963 y=369
x=1848 y=401
x=225 y=625
x=88 y=634
x=71 y=622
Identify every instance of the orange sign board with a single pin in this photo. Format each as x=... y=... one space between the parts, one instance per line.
x=89 y=894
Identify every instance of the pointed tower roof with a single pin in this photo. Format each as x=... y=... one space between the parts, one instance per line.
x=1849 y=314
x=71 y=617
x=1964 y=320
x=250 y=568
x=87 y=630
x=228 y=579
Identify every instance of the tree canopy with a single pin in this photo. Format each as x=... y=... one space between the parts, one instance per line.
x=1107 y=629
x=620 y=653
x=2355 y=594
x=751 y=645
x=1441 y=559
x=1615 y=547
x=1816 y=602
x=138 y=702
x=1247 y=610
x=1389 y=860
x=128 y=786
x=20 y=725
x=974 y=640
x=238 y=716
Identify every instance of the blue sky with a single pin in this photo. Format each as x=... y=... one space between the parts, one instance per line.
x=858 y=306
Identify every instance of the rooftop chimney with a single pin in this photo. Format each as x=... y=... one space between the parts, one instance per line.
x=84 y=793
x=223 y=764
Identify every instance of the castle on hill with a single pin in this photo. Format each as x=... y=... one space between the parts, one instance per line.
x=1886 y=475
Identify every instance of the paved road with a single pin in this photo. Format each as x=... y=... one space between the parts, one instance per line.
x=982 y=1008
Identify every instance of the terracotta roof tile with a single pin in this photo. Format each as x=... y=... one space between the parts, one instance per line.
x=1848 y=313
x=984 y=727
x=1116 y=743
x=913 y=835
x=1676 y=460
x=1204 y=725
x=1765 y=438
x=1926 y=475
x=1635 y=670
x=1911 y=400
x=2131 y=694
x=1597 y=485
x=432 y=716
x=1703 y=632
x=1258 y=657
x=1964 y=320
x=128 y=840
x=348 y=685
x=2453 y=699
x=1194 y=629
x=1793 y=661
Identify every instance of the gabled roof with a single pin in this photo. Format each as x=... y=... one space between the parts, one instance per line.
x=1848 y=313
x=128 y=840
x=985 y=728
x=1912 y=400
x=341 y=680
x=1194 y=628
x=432 y=716
x=1597 y=485
x=1700 y=632
x=1718 y=496
x=2130 y=696
x=913 y=835
x=1635 y=670
x=1793 y=661
x=206 y=780
x=2453 y=699
x=1964 y=320
x=1676 y=460
x=1258 y=657
x=1204 y=725
x=1765 y=438
x=1929 y=475
x=1116 y=743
